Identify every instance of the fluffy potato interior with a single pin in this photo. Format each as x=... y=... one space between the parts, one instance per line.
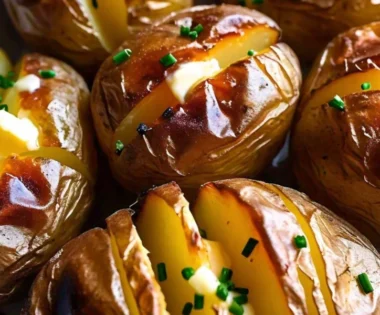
x=229 y=222
x=109 y=20
x=226 y=52
x=173 y=238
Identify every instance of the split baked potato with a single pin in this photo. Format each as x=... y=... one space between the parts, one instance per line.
x=207 y=94
x=84 y=32
x=47 y=161
x=308 y=25
x=264 y=249
x=336 y=139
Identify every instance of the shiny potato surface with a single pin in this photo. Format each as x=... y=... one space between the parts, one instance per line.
x=47 y=163
x=83 y=32
x=228 y=118
x=335 y=153
x=308 y=25
x=248 y=227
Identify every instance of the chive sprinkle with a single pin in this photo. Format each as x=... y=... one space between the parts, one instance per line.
x=199 y=29
x=236 y=309
x=249 y=247
x=122 y=56
x=4 y=107
x=161 y=271
x=11 y=74
x=184 y=31
x=242 y=3
x=251 y=52
x=230 y=285
x=47 y=74
x=337 y=103
x=187 y=309
x=187 y=273
x=1 y=98
x=300 y=241
x=168 y=60
x=193 y=35
x=366 y=86
x=198 y=301
x=119 y=147
x=244 y=291
x=6 y=83
x=365 y=283
x=241 y=299
x=222 y=292
x=225 y=275
x=95 y=3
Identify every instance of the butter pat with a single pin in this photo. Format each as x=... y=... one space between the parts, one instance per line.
x=189 y=74
x=29 y=83
x=204 y=281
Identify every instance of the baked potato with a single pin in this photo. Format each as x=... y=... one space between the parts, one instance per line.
x=207 y=94
x=308 y=25
x=84 y=32
x=47 y=163
x=336 y=138
x=264 y=249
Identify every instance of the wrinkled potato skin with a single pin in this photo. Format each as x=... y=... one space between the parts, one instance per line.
x=223 y=129
x=336 y=154
x=308 y=25
x=43 y=202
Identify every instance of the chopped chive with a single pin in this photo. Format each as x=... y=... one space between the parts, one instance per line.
x=119 y=147
x=161 y=271
x=187 y=309
x=198 y=29
x=242 y=3
x=95 y=3
x=230 y=285
x=251 y=52
x=1 y=98
x=193 y=35
x=6 y=83
x=187 y=273
x=168 y=113
x=249 y=247
x=236 y=309
x=4 y=107
x=241 y=299
x=142 y=129
x=222 y=292
x=184 y=30
x=300 y=241
x=168 y=60
x=366 y=86
x=10 y=74
x=47 y=74
x=257 y=1
x=365 y=283
x=337 y=103
x=241 y=290
x=225 y=275
x=122 y=56
x=198 y=301
x=203 y=233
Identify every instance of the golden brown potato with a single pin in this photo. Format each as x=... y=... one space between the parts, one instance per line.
x=225 y=113
x=47 y=163
x=308 y=25
x=279 y=245
x=84 y=32
x=335 y=153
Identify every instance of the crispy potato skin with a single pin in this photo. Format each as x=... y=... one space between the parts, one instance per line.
x=43 y=201
x=223 y=129
x=335 y=154
x=308 y=25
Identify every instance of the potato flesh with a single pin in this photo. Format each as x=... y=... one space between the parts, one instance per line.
x=226 y=52
x=162 y=233
x=109 y=20
x=227 y=221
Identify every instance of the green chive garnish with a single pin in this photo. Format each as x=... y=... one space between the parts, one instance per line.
x=337 y=103
x=119 y=147
x=122 y=56
x=365 y=283
x=198 y=301
x=168 y=60
x=1 y=98
x=203 y=233
x=249 y=247
x=236 y=309
x=6 y=83
x=225 y=275
x=47 y=74
x=161 y=270
x=244 y=291
x=230 y=285
x=222 y=292
x=193 y=35
x=300 y=241
x=184 y=30
x=366 y=86
x=242 y=3
x=4 y=107
x=95 y=3
x=241 y=299
x=10 y=75
x=251 y=52
x=198 y=29
x=257 y=1
x=187 y=273
x=187 y=309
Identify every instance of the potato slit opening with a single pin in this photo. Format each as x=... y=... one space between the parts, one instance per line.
x=226 y=52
